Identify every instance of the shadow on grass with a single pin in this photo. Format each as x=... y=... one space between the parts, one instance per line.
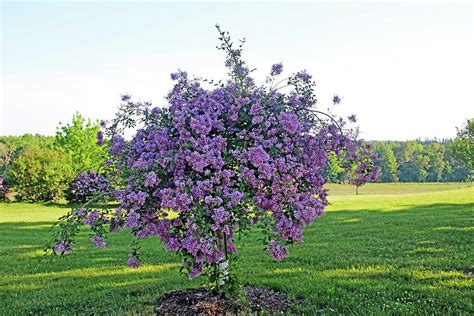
x=416 y=259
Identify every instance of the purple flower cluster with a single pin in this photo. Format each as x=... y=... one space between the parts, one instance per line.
x=63 y=247
x=91 y=217
x=100 y=138
x=276 y=250
x=98 y=241
x=303 y=76
x=150 y=179
x=86 y=185
x=133 y=262
x=289 y=122
x=276 y=69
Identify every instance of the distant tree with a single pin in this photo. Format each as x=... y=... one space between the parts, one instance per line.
x=437 y=164
x=387 y=162
x=364 y=167
x=5 y=156
x=78 y=140
x=462 y=147
x=454 y=171
x=11 y=146
x=413 y=163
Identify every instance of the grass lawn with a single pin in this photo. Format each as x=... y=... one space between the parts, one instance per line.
x=395 y=248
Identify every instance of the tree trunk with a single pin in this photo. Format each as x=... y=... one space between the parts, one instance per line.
x=224 y=263
x=357 y=190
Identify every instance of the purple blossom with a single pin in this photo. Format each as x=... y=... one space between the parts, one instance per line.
x=137 y=198
x=276 y=69
x=201 y=125
x=87 y=185
x=195 y=271
x=98 y=241
x=132 y=219
x=117 y=144
x=303 y=76
x=173 y=244
x=336 y=99
x=235 y=198
x=63 y=247
x=277 y=251
x=256 y=109
x=258 y=156
x=100 y=138
x=366 y=171
x=133 y=262
x=150 y=179
x=289 y=122
x=179 y=75
x=352 y=118
x=92 y=217
x=220 y=216
x=81 y=212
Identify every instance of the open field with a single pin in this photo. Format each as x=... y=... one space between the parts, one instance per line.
x=395 y=248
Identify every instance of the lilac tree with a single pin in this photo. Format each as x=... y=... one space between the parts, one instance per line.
x=364 y=167
x=220 y=158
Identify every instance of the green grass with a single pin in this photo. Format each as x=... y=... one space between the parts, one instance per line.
x=393 y=188
x=395 y=248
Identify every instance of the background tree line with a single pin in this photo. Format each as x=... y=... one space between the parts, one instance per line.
x=412 y=161
x=42 y=168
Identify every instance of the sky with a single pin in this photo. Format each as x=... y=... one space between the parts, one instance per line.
x=404 y=68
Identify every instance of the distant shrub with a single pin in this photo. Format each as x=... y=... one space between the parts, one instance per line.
x=40 y=174
x=86 y=185
x=12 y=146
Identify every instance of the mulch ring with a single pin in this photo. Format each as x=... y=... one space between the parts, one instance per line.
x=202 y=302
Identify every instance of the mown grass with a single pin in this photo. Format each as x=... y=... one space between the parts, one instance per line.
x=392 y=249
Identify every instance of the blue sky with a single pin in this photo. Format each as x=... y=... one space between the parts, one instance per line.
x=405 y=69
